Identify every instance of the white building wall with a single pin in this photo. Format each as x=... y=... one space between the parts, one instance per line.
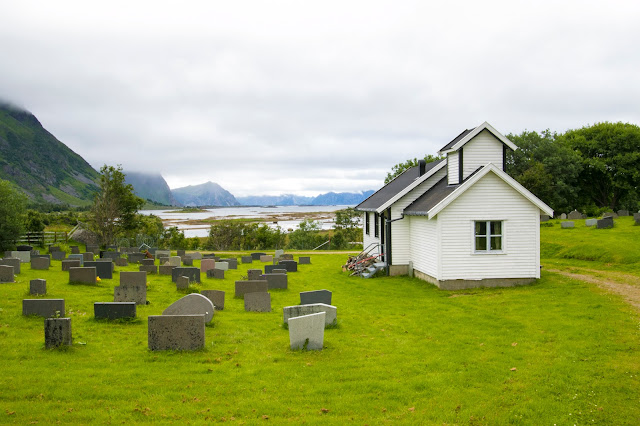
x=480 y=151
x=424 y=244
x=401 y=232
x=489 y=199
x=452 y=165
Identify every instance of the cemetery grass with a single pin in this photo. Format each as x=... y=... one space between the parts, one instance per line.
x=557 y=352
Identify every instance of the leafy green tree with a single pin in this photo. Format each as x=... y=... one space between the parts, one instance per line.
x=610 y=160
x=173 y=238
x=307 y=236
x=12 y=206
x=401 y=167
x=115 y=206
x=34 y=222
x=347 y=228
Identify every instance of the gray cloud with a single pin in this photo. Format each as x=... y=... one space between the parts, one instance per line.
x=309 y=97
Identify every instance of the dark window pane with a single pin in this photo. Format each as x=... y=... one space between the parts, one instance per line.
x=481 y=243
x=496 y=228
x=496 y=243
x=481 y=228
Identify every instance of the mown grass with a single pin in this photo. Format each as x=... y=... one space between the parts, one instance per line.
x=556 y=352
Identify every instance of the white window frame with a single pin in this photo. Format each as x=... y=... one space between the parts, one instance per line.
x=488 y=236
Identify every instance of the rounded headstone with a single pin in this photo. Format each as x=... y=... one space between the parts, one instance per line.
x=191 y=304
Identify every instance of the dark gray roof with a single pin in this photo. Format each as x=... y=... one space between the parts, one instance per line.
x=456 y=139
x=388 y=191
x=429 y=199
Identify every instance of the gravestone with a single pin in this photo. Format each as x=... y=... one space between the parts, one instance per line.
x=574 y=215
x=75 y=249
x=114 y=310
x=266 y=258
x=191 y=272
x=24 y=247
x=180 y=253
x=79 y=257
x=254 y=274
x=82 y=275
x=87 y=256
x=257 y=302
x=315 y=296
x=544 y=218
x=40 y=263
x=232 y=262
x=286 y=256
x=244 y=287
x=591 y=222
x=563 y=216
x=165 y=269
x=216 y=297
x=176 y=332
x=149 y=269
x=289 y=265
x=304 y=260
x=301 y=310
x=271 y=269
x=275 y=280
x=279 y=253
x=224 y=266
x=187 y=261
x=103 y=269
x=130 y=293
x=246 y=259
x=57 y=332
x=623 y=212
x=196 y=255
x=129 y=278
x=6 y=274
x=307 y=332
x=93 y=248
x=636 y=216
x=609 y=214
x=568 y=224
x=24 y=256
x=256 y=256
x=135 y=257
x=59 y=255
x=215 y=273
x=163 y=253
x=192 y=304
x=162 y=260
x=122 y=262
x=12 y=261
x=53 y=248
x=71 y=263
x=206 y=264
x=113 y=255
x=605 y=223
x=48 y=256
x=278 y=271
x=209 y=256
x=43 y=307
x=182 y=283
x=37 y=287
x=148 y=262
x=175 y=260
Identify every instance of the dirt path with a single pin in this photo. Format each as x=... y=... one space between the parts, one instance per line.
x=609 y=281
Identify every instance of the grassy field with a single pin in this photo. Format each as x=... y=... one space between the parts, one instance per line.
x=561 y=351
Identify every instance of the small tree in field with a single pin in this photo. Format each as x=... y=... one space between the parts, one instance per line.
x=114 y=209
x=12 y=205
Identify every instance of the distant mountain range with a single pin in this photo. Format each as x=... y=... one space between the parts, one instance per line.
x=48 y=171
x=43 y=167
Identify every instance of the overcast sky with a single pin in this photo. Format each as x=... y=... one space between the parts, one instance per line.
x=306 y=97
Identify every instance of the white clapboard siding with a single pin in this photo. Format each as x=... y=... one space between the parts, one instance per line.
x=400 y=232
x=490 y=199
x=480 y=151
x=369 y=239
x=452 y=165
x=424 y=244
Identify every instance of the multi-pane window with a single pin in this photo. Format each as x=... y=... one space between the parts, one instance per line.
x=488 y=235
x=366 y=223
x=376 y=227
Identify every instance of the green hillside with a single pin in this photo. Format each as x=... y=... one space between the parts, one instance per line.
x=42 y=166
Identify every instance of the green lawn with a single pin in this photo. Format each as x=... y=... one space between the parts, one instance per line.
x=557 y=352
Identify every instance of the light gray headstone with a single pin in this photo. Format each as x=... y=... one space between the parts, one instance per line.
x=301 y=310
x=43 y=307
x=182 y=283
x=224 y=266
x=257 y=302
x=563 y=216
x=196 y=255
x=307 y=332
x=544 y=218
x=279 y=253
x=176 y=332
x=315 y=296
x=591 y=222
x=24 y=256
x=175 y=260
x=6 y=274
x=12 y=261
x=568 y=224
x=192 y=304
x=131 y=293
x=574 y=215
x=266 y=258
x=38 y=287
x=57 y=332
x=216 y=297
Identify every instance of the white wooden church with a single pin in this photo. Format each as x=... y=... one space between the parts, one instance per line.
x=460 y=222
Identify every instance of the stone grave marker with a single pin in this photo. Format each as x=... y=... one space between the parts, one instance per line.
x=130 y=293
x=254 y=274
x=271 y=269
x=79 y=257
x=331 y=312
x=75 y=249
x=574 y=215
x=114 y=310
x=12 y=261
x=71 y=263
x=315 y=296
x=196 y=255
x=609 y=214
x=278 y=271
x=244 y=287
x=113 y=255
x=215 y=273
x=191 y=272
x=187 y=261
x=567 y=224
x=103 y=269
x=266 y=258
x=57 y=332
x=148 y=262
x=289 y=265
x=43 y=307
x=563 y=216
x=6 y=274
x=93 y=248
x=24 y=247
x=165 y=269
x=286 y=256
x=307 y=332
x=224 y=266
x=216 y=297
x=163 y=253
x=149 y=269
x=38 y=287
x=623 y=212
x=544 y=218
x=257 y=302
x=180 y=253
x=129 y=278
x=87 y=256
x=605 y=223
x=24 y=256
x=304 y=260
x=279 y=253
x=175 y=260
x=192 y=304
x=40 y=263
x=275 y=280
x=59 y=255
x=53 y=248
x=122 y=262
x=256 y=256
x=82 y=275
x=232 y=262
x=182 y=283
x=176 y=332
x=591 y=222
x=206 y=264
x=246 y=259
x=135 y=257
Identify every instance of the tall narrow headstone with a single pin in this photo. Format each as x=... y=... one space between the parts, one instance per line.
x=57 y=332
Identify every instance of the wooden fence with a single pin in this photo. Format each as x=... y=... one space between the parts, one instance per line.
x=43 y=238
